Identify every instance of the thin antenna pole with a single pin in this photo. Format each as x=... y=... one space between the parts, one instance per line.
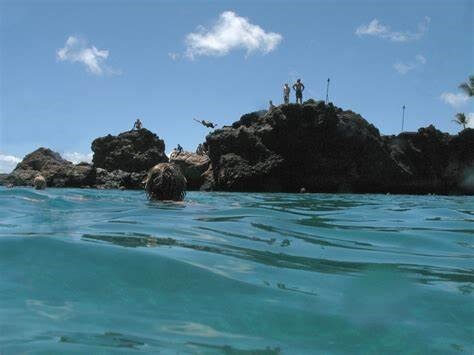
x=403 y=116
x=327 y=92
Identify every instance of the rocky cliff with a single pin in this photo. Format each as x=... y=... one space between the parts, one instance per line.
x=325 y=149
x=123 y=161
x=314 y=146
x=119 y=162
x=195 y=168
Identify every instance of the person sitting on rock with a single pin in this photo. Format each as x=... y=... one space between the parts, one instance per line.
x=286 y=93
x=207 y=124
x=137 y=124
x=299 y=87
x=201 y=149
x=179 y=149
x=271 y=106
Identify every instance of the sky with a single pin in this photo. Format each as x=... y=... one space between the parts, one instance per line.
x=72 y=71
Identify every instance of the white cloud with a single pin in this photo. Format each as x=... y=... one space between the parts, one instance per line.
x=455 y=100
x=375 y=28
x=77 y=50
x=404 y=68
x=174 y=56
x=76 y=157
x=230 y=32
x=420 y=59
x=8 y=163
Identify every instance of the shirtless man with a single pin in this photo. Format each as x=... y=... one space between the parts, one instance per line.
x=299 y=87
x=205 y=123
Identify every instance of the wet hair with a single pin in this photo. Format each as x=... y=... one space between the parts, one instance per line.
x=165 y=181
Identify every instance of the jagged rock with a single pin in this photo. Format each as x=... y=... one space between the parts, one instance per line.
x=316 y=146
x=57 y=171
x=459 y=173
x=3 y=179
x=165 y=181
x=134 y=151
x=325 y=149
x=119 y=179
x=208 y=182
x=193 y=166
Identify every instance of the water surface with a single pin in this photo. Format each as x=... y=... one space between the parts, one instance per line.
x=98 y=272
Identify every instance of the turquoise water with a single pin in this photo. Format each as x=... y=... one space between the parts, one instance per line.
x=98 y=272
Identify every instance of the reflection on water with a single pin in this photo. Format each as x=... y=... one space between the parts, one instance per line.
x=91 y=271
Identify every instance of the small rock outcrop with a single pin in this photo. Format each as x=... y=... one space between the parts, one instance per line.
x=56 y=171
x=165 y=182
x=193 y=166
x=133 y=151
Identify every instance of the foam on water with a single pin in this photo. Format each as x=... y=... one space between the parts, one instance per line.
x=90 y=271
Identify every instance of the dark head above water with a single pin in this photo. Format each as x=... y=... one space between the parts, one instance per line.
x=165 y=182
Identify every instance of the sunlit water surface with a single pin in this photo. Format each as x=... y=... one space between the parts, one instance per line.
x=98 y=272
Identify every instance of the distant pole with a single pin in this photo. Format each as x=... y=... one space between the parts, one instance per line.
x=403 y=116
x=327 y=92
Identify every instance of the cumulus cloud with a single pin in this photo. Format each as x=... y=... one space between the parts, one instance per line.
x=455 y=100
x=76 y=50
x=376 y=29
x=174 y=56
x=230 y=32
x=8 y=163
x=76 y=157
x=404 y=68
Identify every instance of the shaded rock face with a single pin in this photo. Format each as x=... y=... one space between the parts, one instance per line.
x=3 y=179
x=57 y=171
x=325 y=149
x=193 y=166
x=119 y=179
x=459 y=173
x=133 y=151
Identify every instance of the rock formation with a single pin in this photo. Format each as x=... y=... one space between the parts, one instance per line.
x=325 y=149
x=312 y=147
x=166 y=182
x=133 y=151
x=120 y=161
x=123 y=161
x=57 y=171
x=193 y=166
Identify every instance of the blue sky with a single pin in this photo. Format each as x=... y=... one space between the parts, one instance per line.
x=71 y=71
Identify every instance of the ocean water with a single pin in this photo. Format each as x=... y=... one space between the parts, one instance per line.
x=99 y=272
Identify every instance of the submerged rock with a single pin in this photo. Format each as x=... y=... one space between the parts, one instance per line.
x=166 y=182
x=193 y=166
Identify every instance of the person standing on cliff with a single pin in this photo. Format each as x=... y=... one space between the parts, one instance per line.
x=286 y=93
x=299 y=87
